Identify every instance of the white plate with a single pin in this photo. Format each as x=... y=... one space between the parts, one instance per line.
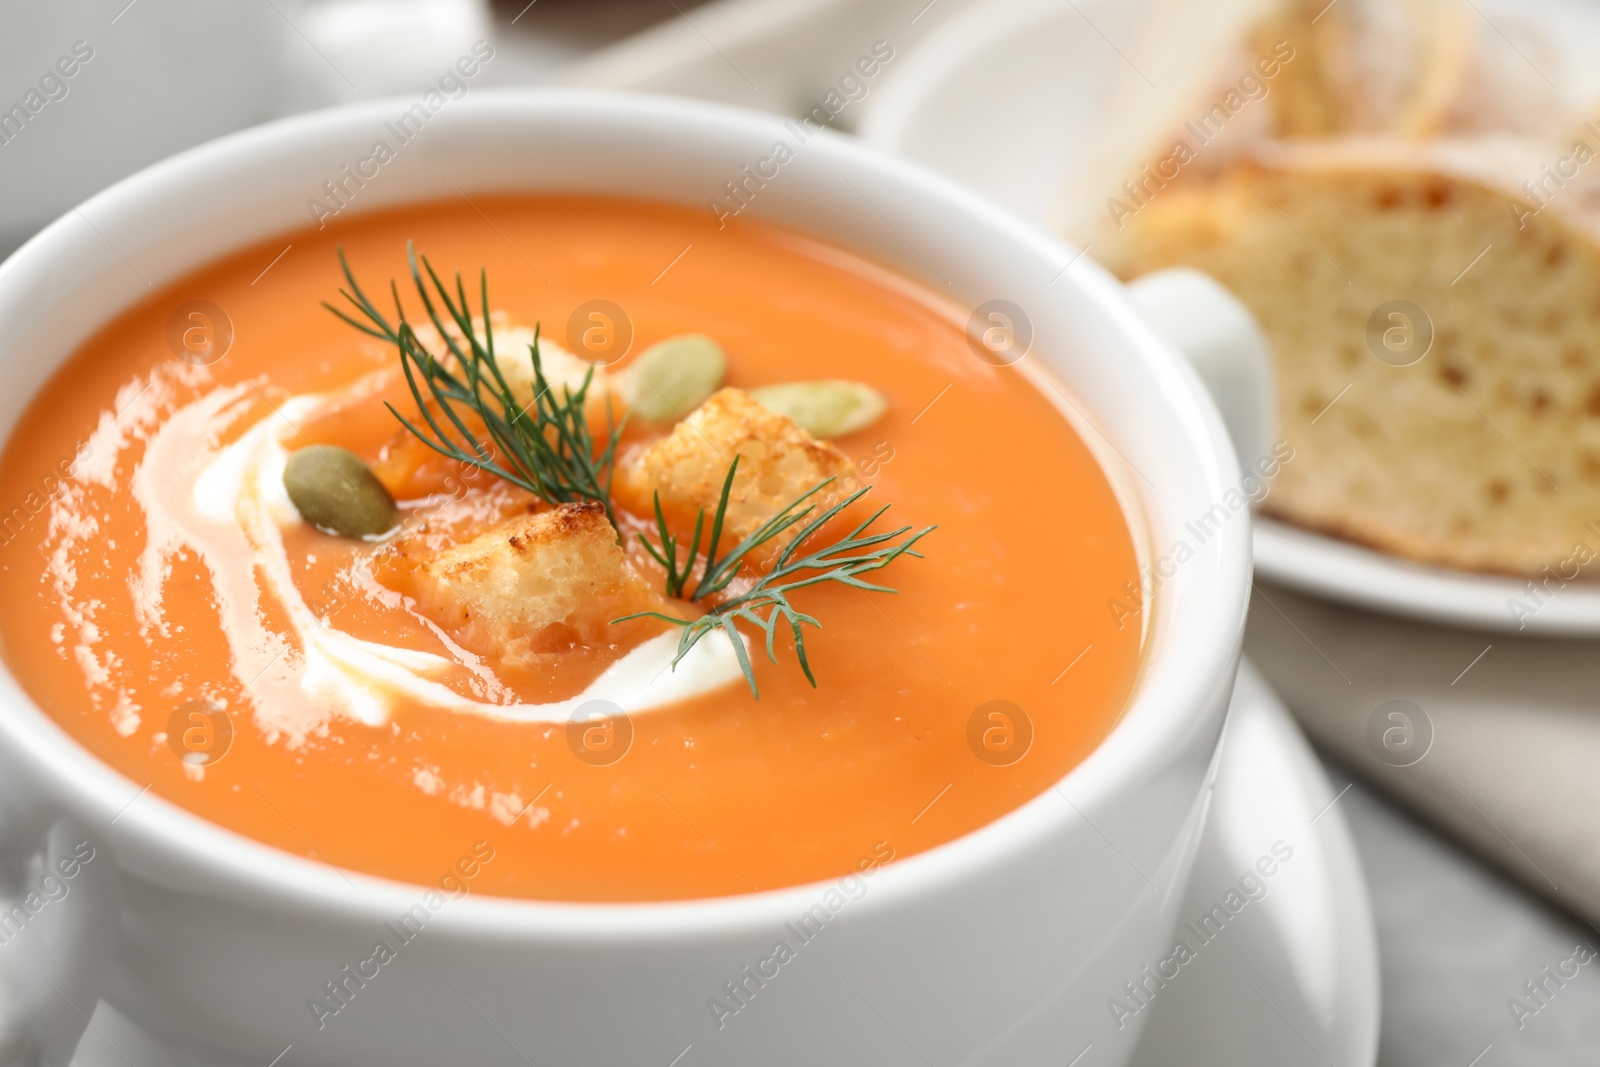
x=1296 y=967
x=1349 y=573
x=1004 y=96
x=1299 y=966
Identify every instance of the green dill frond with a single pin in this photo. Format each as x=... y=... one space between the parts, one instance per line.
x=468 y=410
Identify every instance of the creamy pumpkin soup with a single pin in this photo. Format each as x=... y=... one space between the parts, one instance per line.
x=672 y=561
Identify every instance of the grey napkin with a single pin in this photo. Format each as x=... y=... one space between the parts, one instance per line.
x=1493 y=737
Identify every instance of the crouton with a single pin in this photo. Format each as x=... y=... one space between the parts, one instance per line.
x=537 y=583
x=778 y=461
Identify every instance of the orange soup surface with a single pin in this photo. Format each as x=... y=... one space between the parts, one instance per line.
x=245 y=668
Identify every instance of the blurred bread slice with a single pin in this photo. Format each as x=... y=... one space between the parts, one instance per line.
x=1412 y=69
x=1367 y=66
x=1175 y=62
x=1244 y=71
x=1485 y=454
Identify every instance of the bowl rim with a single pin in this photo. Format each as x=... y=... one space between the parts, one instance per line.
x=1174 y=687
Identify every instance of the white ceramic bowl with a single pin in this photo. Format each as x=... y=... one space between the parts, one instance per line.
x=1002 y=947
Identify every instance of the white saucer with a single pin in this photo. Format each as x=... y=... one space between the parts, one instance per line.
x=1022 y=81
x=1296 y=968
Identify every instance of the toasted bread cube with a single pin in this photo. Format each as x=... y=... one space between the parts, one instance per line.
x=537 y=583
x=778 y=461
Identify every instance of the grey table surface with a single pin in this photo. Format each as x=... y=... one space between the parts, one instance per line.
x=1457 y=943
x=1457 y=940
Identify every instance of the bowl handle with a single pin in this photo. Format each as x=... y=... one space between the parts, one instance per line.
x=58 y=927
x=1197 y=316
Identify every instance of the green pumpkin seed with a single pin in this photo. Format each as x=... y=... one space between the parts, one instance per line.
x=672 y=378
x=830 y=408
x=337 y=492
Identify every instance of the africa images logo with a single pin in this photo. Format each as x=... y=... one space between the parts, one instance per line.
x=348 y=181
x=1138 y=992
x=342 y=989
x=742 y=988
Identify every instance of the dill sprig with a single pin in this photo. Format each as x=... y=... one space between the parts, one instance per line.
x=716 y=571
x=545 y=447
x=766 y=604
